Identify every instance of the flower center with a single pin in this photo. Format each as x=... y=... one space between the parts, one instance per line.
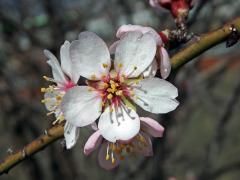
x=114 y=90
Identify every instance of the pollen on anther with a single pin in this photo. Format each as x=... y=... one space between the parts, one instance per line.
x=43 y=89
x=120 y=65
x=105 y=65
x=109 y=96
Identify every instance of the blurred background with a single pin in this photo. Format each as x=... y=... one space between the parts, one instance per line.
x=202 y=139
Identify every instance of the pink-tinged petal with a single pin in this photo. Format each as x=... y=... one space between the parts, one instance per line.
x=71 y=134
x=151 y=127
x=90 y=56
x=131 y=28
x=107 y=164
x=165 y=65
x=92 y=143
x=112 y=48
x=134 y=53
x=143 y=147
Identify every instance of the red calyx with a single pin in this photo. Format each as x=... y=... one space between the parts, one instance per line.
x=177 y=7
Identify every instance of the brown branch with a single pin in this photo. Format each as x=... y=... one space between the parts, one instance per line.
x=35 y=146
x=204 y=43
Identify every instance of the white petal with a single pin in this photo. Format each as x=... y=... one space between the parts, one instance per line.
x=134 y=53
x=151 y=70
x=130 y=28
x=165 y=67
x=156 y=95
x=66 y=62
x=88 y=54
x=80 y=106
x=107 y=164
x=112 y=48
x=119 y=124
x=58 y=75
x=71 y=134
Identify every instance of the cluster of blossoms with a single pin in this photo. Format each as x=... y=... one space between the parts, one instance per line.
x=119 y=80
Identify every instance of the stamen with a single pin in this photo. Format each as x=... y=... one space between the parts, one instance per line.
x=120 y=65
x=107 y=154
x=109 y=96
x=50 y=113
x=112 y=157
x=105 y=65
x=144 y=102
x=134 y=69
x=116 y=115
x=119 y=93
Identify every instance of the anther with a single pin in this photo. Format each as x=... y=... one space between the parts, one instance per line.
x=109 y=96
x=105 y=65
x=120 y=65
x=119 y=92
x=43 y=89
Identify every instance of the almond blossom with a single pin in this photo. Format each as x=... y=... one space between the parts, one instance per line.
x=110 y=154
x=64 y=78
x=164 y=65
x=115 y=87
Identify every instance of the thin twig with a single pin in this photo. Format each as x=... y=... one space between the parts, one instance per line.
x=203 y=43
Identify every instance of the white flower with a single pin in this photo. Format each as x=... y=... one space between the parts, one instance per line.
x=114 y=88
x=64 y=78
x=164 y=64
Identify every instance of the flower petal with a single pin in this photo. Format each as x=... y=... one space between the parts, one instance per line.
x=50 y=104
x=156 y=95
x=143 y=147
x=112 y=48
x=107 y=164
x=66 y=63
x=71 y=134
x=94 y=126
x=57 y=72
x=151 y=70
x=120 y=124
x=130 y=28
x=134 y=53
x=80 y=106
x=92 y=143
x=90 y=56
x=151 y=127
x=165 y=66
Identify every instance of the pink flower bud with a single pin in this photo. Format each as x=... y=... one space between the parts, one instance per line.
x=177 y=7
